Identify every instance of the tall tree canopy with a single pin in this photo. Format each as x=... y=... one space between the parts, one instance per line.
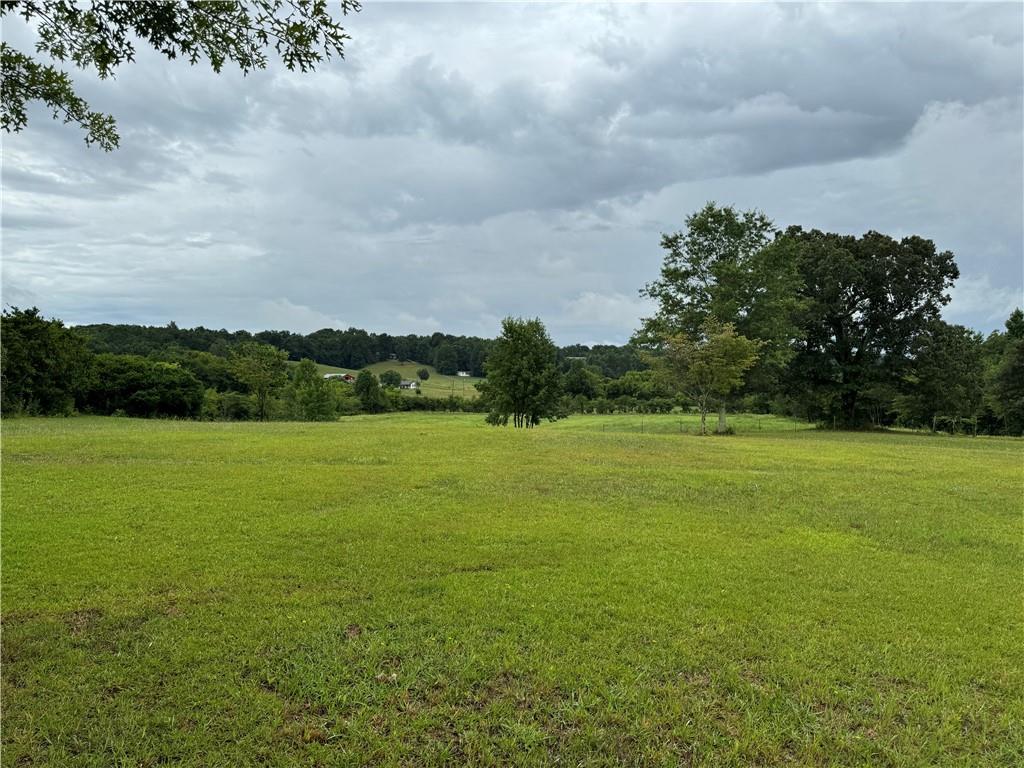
x=523 y=383
x=865 y=299
x=721 y=266
x=724 y=266
x=102 y=35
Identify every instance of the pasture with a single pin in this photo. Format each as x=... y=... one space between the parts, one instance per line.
x=425 y=590
x=438 y=385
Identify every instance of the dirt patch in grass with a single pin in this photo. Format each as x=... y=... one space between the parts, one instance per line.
x=83 y=621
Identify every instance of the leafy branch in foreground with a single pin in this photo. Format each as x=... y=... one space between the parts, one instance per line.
x=102 y=35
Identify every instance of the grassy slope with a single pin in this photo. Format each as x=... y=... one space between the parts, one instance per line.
x=438 y=385
x=426 y=590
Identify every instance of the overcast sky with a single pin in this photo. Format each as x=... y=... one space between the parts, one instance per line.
x=467 y=162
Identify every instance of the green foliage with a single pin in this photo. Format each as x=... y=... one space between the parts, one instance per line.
x=522 y=382
x=708 y=366
x=367 y=389
x=642 y=385
x=416 y=590
x=263 y=369
x=101 y=36
x=212 y=370
x=866 y=299
x=581 y=380
x=423 y=375
x=136 y=386
x=390 y=379
x=309 y=395
x=944 y=379
x=723 y=266
x=446 y=359
x=44 y=366
x=1006 y=377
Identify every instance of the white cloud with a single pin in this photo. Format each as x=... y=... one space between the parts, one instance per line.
x=976 y=297
x=283 y=314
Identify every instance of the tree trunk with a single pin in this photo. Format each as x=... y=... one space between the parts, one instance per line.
x=703 y=421
x=723 y=425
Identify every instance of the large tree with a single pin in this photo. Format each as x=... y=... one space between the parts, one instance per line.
x=723 y=266
x=708 y=365
x=523 y=383
x=263 y=369
x=102 y=35
x=865 y=300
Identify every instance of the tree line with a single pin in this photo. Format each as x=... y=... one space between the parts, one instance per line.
x=353 y=348
x=49 y=369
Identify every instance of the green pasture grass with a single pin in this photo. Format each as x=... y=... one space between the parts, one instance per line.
x=425 y=590
x=438 y=385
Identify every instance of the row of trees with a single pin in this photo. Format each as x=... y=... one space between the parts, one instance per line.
x=839 y=329
x=49 y=369
x=353 y=348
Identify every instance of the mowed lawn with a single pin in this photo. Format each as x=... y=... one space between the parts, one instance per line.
x=421 y=589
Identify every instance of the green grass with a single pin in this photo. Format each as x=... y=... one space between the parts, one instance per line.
x=426 y=590
x=438 y=385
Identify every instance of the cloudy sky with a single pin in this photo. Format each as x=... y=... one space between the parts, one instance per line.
x=470 y=161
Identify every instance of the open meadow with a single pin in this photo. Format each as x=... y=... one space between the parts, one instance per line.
x=425 y=590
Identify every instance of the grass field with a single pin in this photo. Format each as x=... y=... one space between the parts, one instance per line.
x=426 y=590
x=438 y=385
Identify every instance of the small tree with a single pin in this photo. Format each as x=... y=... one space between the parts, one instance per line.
x=263 y=369
x=369 y=392
x=309 y=394
x=707 y=367
x=522 y=382
x=423 y=373
x=392 y=379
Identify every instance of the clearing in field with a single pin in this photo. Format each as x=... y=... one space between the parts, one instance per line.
x=426 y=590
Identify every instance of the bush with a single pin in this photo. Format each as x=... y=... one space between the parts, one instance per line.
x=144 y=388
x=423 y=373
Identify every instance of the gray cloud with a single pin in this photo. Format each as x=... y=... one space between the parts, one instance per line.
x=467 y=162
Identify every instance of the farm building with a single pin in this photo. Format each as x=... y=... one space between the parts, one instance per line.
x=340 y=377
x=409 y=384
x=463 y=373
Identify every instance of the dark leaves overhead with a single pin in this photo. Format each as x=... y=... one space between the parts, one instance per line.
x=103 y=35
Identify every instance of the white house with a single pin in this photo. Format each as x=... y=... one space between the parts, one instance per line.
x=463 y=373
x=409 y=384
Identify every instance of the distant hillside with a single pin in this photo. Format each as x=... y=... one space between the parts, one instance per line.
x=438 y=385
x=352 y=349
